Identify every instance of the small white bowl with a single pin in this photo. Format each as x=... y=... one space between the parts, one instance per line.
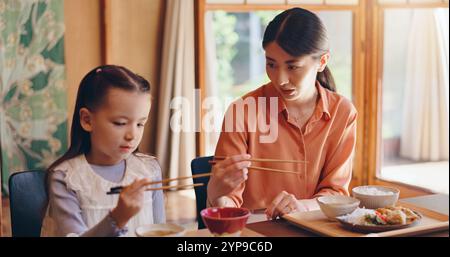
x=373 y=197
x=160 y=230
x=337 y=205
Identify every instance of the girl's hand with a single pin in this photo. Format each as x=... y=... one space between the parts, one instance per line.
x=131 y=200
x=283 y=204
x=227 y=175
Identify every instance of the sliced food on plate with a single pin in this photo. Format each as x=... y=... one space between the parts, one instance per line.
x=387 y=217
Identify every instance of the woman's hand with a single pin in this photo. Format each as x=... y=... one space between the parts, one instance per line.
x=227 y=175
x=284 y=203
x=131 y=200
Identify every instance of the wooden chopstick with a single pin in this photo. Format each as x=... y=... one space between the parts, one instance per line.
x=261 y=160
x=168 y=180
x=179 y=178
x=270 y=169
x=117 y=190
x=273 y=170
x=176 y=186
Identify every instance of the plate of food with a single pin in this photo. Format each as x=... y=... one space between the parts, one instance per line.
x=381 y=219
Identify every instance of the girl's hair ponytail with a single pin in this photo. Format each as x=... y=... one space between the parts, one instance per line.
x=326 y=79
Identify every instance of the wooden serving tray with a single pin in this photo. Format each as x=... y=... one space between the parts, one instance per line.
x=317 y=222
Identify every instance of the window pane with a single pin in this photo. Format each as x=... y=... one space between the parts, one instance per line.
x=425 y=1
x=342 y=2
x=410 y=1
x=415 y=98
x=238 y=59
x=319 y=2
x=225 y=1
x=339 y=27
x=265 y=2
x=392 y=1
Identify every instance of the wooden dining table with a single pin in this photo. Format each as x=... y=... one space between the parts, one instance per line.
x=259 y=226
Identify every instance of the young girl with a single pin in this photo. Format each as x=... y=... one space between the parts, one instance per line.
x=315 y=125
x=111 y=110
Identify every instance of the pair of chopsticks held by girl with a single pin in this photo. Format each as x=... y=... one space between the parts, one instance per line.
x=316 y=129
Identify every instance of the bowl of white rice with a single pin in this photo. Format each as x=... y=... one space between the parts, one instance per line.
x=373 y=197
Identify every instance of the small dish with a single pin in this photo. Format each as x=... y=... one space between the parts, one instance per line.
x=377 y=228
x=337 y=205
x=160 y=230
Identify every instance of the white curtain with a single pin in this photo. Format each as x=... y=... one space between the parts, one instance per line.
x=211 y=88
x=176 y=149
x=426 y=114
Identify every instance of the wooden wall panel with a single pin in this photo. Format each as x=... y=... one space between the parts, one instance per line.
x=82 y=44
x=127 y=33
x=133 y=39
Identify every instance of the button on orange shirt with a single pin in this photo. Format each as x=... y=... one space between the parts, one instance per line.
x=327 y=145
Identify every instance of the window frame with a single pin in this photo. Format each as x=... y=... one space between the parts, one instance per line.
x=374 y=70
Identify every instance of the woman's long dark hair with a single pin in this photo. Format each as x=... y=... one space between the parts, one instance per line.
x=300 y=32
x=91 y=93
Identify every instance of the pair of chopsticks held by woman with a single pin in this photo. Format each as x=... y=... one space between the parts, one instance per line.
x=316 y=128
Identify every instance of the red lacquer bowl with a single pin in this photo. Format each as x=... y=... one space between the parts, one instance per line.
x=225 y=221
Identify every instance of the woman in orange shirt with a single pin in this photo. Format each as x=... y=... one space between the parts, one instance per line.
x=314 y=124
